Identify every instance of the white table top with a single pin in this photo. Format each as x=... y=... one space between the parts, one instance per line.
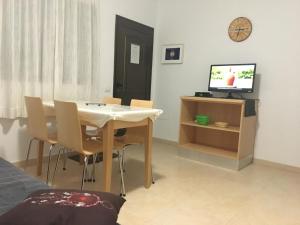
x=99 y=115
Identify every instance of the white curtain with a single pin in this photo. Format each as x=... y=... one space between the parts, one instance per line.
x=48 y=48
x=77 y=44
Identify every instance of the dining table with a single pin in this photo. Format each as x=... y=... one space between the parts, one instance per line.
x=110 y=118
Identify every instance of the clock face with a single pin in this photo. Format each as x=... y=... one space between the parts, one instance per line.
x=240 y=29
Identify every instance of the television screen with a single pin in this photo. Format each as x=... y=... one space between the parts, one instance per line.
x=232 y=77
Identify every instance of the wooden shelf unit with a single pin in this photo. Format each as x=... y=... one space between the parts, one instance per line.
x=235 y=142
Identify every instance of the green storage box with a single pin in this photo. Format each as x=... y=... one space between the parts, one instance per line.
x=202 y=119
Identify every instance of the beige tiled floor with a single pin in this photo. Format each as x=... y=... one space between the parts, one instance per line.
x=188 y=192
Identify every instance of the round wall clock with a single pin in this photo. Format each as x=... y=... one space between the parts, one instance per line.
x=240 y=29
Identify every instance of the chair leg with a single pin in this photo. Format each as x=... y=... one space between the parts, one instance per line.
x=65 y=159
x=119 y=160
x=88 y=172
x=123 y=192
x=56 y=164
x=84 y=171
x=28 y=151
x=93 y=178
x=153 y=181
x=123 y=156
x=49 y=161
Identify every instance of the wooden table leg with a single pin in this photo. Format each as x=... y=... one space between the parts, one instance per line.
x=108 y=136
x=40 y=158
x=148 y=154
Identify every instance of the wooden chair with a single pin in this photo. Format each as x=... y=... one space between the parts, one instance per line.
x=69 y=135
x=136 y=135
x=37 y=126
x=132 y=136
x=97 y=133
x=141 y=103
x=111 y=100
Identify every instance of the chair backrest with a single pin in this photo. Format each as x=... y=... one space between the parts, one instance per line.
x=68 y=125
x=141 y=103
x=135 y=135
x=37 y=123
x=111 y=100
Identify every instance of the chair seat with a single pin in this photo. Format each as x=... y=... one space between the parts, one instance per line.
x=91 y=147
x=93 y=133
x=121 y=142
x=52 y=138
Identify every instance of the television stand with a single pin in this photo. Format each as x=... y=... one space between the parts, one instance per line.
x=231 y=146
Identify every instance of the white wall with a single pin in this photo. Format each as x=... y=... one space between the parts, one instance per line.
x=274 y=45
x=13 y=139
x=13 y=136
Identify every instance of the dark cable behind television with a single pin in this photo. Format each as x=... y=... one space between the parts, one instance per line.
x=232 y=78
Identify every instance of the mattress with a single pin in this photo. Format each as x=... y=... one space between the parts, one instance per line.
x=15 y=185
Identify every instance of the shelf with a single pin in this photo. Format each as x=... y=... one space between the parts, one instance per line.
x=212 y=126
x=211 y=150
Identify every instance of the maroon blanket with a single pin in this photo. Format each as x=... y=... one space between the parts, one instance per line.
x=65 y=207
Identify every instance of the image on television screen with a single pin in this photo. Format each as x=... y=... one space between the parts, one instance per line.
x=232 y=76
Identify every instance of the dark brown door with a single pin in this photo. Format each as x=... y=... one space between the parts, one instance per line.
x=133 y=60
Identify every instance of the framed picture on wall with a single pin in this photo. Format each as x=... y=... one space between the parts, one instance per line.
x=172 y=53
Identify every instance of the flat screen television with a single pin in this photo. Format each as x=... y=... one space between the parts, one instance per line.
x=232 y=78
